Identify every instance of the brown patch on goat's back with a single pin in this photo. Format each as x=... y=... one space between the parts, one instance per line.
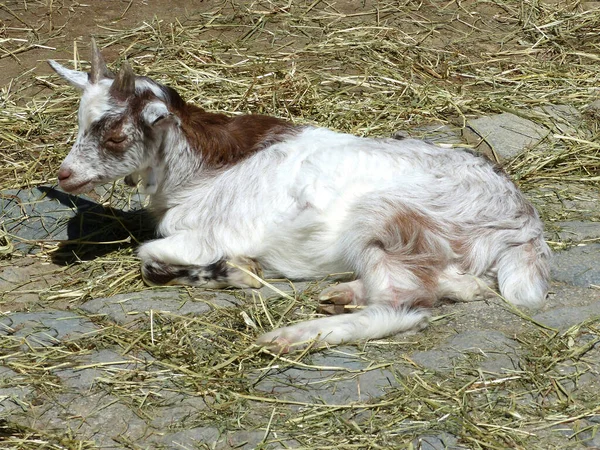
x=224 y=140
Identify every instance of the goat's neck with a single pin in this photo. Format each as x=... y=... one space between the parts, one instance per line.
x=174 y=165
x=202 y=144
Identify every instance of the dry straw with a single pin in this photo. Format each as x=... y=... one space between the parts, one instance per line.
x=369 y=71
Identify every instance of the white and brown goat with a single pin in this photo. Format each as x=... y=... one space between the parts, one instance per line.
x=414 y=222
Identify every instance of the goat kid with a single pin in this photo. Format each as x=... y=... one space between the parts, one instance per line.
x=415 y=223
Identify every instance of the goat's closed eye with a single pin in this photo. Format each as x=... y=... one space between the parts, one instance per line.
x=116 y=139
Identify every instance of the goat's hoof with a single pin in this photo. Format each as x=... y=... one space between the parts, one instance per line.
x=156 y=273
x=336 y=299
x=274 y=342
x=131 y=180
x=331 y=309
x=337 y=295
x=342 y=298
x=238 y=277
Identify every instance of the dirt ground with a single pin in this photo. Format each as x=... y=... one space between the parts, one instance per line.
x=94 y=366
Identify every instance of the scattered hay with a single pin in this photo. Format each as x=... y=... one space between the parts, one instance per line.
x=372 y=71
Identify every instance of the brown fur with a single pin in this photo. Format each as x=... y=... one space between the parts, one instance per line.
x=412 y=240
x=221 y=140
x=224 y=140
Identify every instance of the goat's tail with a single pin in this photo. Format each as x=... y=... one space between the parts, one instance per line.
x=373 y=322
x=524 y=273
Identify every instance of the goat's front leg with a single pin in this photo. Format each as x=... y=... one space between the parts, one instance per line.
x=217 y=275
x=168 y=262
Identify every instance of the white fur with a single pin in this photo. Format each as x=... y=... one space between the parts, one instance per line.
x=75 y=77
x=308 y=207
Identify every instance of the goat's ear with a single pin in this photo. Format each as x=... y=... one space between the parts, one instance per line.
x=76 y=78
x=82 y=79
x=99 y=69
x=156 y=113
x=124 y=85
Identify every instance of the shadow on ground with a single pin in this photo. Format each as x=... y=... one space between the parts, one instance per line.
x=83 y=228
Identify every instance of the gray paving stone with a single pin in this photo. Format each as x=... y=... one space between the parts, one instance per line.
x=584 y=433
x=45 y=328
x=99 y=364
x=97 y=416
x=564 y=318
x=47 y=214
x=191 y=437
x=575 y=231
x=30 y=215
x=176 y=410
x=578 y=265
x=507 y=134
x=243 y=440
x=498 y=352
x=353 y=382
x=106 y=421
x=590 y=438
x=576 y=376
x=125 y=308
x=441 y=441
x=168 y=409
x=593 y=109
x=210 y=437
x=13 y=392
x=565 y=118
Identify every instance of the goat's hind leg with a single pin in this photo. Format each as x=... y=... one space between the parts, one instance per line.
x=399 y=260
x=395 y=302
x=336 y=299
x=373 y=322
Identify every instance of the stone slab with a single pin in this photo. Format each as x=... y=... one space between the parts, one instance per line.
x=44 y=329
x=126 y=308
x=506 y=134
x=593 y=109
x=441 y=441
x=105 y=363
x=39 y=217
x=351 y=380
x=498 y=352
x=191 y=438
x=566 y=119
x=575 y=231
x=213 y=438
x=578 y=265
x=98 y=417
x=564 y=318
x=13 y=392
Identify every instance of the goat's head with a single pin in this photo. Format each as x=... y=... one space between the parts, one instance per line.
x=120 y=127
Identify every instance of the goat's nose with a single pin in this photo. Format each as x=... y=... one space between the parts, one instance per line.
x=63 y=174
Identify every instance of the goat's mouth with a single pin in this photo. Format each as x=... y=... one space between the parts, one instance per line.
x=77 y=188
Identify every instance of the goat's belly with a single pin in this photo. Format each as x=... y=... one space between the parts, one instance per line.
x=304 y=249
x=302 y=260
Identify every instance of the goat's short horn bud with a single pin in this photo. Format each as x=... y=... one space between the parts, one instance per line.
x=124 y=84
